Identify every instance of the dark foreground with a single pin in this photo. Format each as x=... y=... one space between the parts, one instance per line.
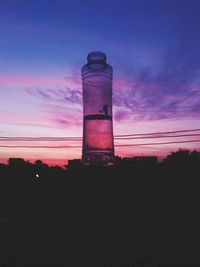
x=121 y=216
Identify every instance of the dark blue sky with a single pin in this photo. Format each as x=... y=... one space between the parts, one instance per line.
x=58 y=31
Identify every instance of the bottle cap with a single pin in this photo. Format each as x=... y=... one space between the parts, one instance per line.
x=96 y=57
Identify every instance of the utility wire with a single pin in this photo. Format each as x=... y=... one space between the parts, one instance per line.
x=117 y=137
x=159 y=136
x=161 y=143
x=75 y=140
x=120 y=145
x=179 y=131
x=78 y=137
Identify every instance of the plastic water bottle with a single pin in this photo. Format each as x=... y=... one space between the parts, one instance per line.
x=98 y=144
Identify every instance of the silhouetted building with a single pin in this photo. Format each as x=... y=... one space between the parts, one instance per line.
x=146 y=159
x=136 y=161
x=74 y=164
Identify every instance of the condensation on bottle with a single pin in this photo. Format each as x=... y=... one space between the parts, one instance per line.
x=98 y=144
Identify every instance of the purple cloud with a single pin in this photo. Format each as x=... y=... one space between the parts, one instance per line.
x=66 y=95
x=63 y=106
x=172 y=89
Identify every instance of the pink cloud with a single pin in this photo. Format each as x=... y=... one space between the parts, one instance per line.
x=138 y=107
x=37 y=80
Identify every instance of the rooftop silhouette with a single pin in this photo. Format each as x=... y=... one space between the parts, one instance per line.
x=137 y=209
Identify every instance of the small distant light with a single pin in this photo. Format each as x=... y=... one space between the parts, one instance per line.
x=37 y=175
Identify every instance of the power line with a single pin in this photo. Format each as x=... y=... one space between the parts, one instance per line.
x=24 y=146
x=169 y=132
x=40 y=139
x=162 y=136
x=162 y=143
x=18 y=146
x=119 y=137
x=61 y=139
x=119 y=145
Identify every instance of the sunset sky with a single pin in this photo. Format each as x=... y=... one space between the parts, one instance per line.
x=153 y=47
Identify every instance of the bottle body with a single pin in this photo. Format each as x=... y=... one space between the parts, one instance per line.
x=98 y=144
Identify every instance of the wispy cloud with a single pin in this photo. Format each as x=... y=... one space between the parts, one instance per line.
x=61 y=94
x=152 y=100
x=63 y=105
x=173 y=91
x=19 y=80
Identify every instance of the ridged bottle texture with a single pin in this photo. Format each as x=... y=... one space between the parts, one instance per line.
x=98 y=144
